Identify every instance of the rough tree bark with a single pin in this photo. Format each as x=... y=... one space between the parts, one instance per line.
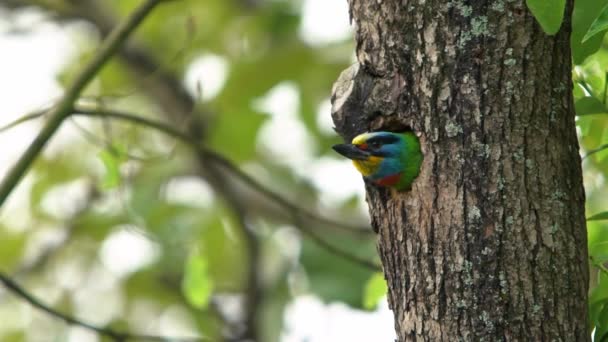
x=490 y=244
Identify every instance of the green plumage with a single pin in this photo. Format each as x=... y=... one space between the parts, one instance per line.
x=386 y=158
x=412 y=161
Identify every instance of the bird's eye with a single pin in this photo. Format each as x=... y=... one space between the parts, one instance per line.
x=374 y=144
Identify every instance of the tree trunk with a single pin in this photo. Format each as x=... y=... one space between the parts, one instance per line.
x=490 y=243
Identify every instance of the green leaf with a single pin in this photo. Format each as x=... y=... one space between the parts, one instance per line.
x=111 y=178
x=12 y=248
x=601 y=330
x=599 y=252
x=596 y=150
x=197 y=285
x=585 y=12
x=548 y=13
x=589 y=105
x=375 y=289
x=598 y=217
x=598 y=297
x=599 y=294
x=600 y=24
x=112 y=158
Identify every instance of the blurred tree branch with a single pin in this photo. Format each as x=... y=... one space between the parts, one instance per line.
x=48 y=251
x=178 y=106
x=253 y=292
x=216 y=163
x=596 y=150
x=164 y=88
x=113 y=334
x=296 y=212
x=64 y=108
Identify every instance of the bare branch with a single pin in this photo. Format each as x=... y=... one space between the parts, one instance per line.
x=253 y=291
x=177 y=104
x=218 y=159
x=339 y=252
x=164 y=88
x=213 y=158
x=23 y=119
x=64 y=108
x=596 y=150
x=296 y=212
x=49 y=251
x=113 y=334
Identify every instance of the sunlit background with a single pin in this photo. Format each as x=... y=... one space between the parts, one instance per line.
x=116 y=226
x=116 y=252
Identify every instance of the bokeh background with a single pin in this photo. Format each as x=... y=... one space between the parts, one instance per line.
x=115 y=224
x=124 y=227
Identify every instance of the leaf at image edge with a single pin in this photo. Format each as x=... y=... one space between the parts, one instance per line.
x=598 y=217
x=599 y=24
x=589 y=105
x=548 y=13
x=375 y=289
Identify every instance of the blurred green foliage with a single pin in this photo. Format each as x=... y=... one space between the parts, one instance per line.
x=375 y=290
x=135 y=178
x=590 y=76
x=197 y=283
x=201 y=252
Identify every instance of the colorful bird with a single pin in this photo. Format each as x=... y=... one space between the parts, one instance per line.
x=386 y=158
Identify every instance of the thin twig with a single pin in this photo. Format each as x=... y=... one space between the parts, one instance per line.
x=108 y=145
x=340 y=252
x=599 y=265
x=22 y=119
x=602 y=268
x=49 y=251
x=64 y=108
x=19 y=291
x=295 y=211
x=585 y=86
x=166 y=89
x=596 y=150
x=161 y=69
x=220 y=160
x=176 y=102
x=253 y=292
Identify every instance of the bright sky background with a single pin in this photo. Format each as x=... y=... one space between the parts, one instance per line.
x=29 y=63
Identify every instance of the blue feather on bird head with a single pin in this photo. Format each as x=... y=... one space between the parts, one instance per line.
x=387 y=158
x=381 y=144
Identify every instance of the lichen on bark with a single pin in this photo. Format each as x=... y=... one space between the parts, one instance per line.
x=490 y=243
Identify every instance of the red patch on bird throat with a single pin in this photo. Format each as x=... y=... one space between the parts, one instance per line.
x=389 y=180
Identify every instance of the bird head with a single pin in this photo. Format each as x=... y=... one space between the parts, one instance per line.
x=386 y=158
x=368 y=145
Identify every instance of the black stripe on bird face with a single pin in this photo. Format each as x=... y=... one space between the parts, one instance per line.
x=382 y=139
x=376 y=142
